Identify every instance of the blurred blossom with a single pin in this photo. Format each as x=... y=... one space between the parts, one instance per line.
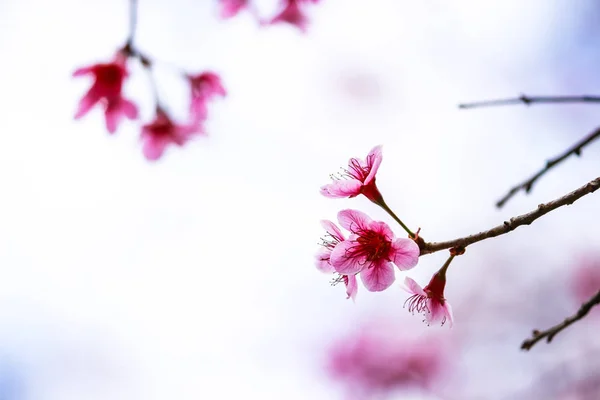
x=230 y=8
x=162 y=132
x=381 y=358
x=204 y=87
x=586 y=279
x=106 y=90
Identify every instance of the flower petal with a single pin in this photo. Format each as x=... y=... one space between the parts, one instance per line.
x=449 y=314
x=405 y=253
x=342 y=188
x=374 y=159
x=343 y=262
x=413 y=287
x=379 y=277
x=354 y=220
x=351 y=287
x=332 y=229
x=322 y=261
x=382 y=228
x=87 y=102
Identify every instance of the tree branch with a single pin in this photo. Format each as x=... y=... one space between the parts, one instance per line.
x=527 y=185
x=513 y=223
x=549 y=333
x=526 y=100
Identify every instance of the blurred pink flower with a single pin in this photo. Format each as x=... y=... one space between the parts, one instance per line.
x=359 y=178
x=377 y=360
x=204 y=87
x=370 y=250
x=293 y=14
x=586 y=279
x=230 y=8
x=430 y=300
x=106 y=90
x=161 y=132
x=331 y=239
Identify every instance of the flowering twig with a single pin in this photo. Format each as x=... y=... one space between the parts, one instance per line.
x=526 y=100
x=527 y=185
x=513 y=223
x=549 y=333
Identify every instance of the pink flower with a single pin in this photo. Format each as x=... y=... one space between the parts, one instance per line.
x=378 y=359
x=292 y=14
x=332 y=238
x=430 y=300
x=204 y=87
x=359 y=178
x=161 y=132
x=106 y=90
x=230 y=8
x=370 y=250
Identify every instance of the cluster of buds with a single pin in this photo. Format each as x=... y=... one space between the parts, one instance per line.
x=107 y=92
x=371 y=249
x=291 y=12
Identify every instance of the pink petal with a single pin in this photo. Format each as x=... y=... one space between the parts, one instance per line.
x=382 y=228
x=438 y=312
x=374 y=159
x=87 y=102
x=449 y=314
x=322 y=261
x=413 y=287
x=153 y=149
x=83 y=71
x=342 y=188
x=379 y=277
x=354 y=220
x=351 y=287
x=332 y=229
x=112 y=118
x=344 y=264
x=405 y=253
x=129 y=109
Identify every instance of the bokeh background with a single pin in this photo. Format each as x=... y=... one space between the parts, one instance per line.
x=194 y=277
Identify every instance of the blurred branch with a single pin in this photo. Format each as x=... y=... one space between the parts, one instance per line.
x=526 y=100
x=527 y=185
x=513 y=223
x=549 y=333
x=133 y=12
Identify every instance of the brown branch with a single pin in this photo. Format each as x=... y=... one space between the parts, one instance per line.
x=527 y=185
x=549 y=333
x=513 y=223
x=526 y=100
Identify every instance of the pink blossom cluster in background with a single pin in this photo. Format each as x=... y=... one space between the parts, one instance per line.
x=107 y=92
x=380 y=358
x=371 y=250
x=290 y=12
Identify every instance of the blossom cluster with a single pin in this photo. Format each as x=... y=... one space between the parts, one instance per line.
x=107 y=92
x=371 y=249
x=291 y=12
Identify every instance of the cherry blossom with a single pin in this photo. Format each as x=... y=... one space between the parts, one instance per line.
x=379 y=358
x=370 y=250
x=106 y=90
x=161 y=132
x=292 y=13
x=331 y=239
x=230 y=8
x=359 y=178
x=430 y=300
x=204 y=87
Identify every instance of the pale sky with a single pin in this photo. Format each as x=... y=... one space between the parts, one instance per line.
x=193 y=277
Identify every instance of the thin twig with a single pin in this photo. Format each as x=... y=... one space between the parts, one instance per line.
x=549 y=333
x=133 y=12
x=527 y=185
x=526 y=100
x=513 y=223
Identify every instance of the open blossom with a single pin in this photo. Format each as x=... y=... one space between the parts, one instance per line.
x=204 y=87
x=379 y=359
x=332 y=238
x=230 y=8
x=162 y=132
x=292 y=13
x=370 y=250
x=430 y=300
x=106 y=91
x=359 y=178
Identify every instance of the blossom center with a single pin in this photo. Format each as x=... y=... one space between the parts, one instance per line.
x=111 y=75
x=374 y=245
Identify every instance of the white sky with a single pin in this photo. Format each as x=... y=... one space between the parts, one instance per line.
x=193 y=277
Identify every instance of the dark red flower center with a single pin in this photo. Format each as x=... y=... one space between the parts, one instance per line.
x=373 y=245
x=110 y=75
